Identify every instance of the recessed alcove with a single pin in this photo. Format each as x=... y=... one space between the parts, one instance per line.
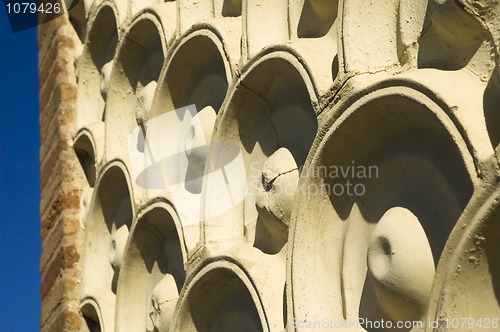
x=270 y=119
x=391 y=167
x=155 y=256
x=197 y=73
x=91 y=314
x=191 y=89
x=85 y=151
x=232 y=8
x=77 y=15
x=133 y=82
x=94 y=66
x=317 y=18
x=491 y=100
x=219 y=299
x=453 y=39
x=107 y=225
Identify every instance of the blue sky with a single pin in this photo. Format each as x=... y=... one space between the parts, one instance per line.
x=19 y=180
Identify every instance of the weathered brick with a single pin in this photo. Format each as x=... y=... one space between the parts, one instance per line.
x=64 y=319
x=64 y=201
x=66 y=225
x=66 y=258
x=60 y=179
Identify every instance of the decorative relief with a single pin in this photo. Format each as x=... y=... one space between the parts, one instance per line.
x=289 y=165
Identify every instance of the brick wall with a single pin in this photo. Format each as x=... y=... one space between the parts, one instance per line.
x=61 y=178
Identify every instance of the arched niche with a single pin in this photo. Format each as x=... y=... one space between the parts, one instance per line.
x=152 y=273
x=94 y=65
x=92 y=315
x=77 y=13
x=107 y=226
x=491 y=100
x=133 y=81
x=85 y=149
x=440 y=34
x=192 y=88
x=316 y=18
x=453 y=38
x=378 y=198
x=220 y=297
x=260 y=142
x=229 y=8
x=197 y=72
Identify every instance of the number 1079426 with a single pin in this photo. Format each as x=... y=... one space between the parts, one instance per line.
x=32 y=8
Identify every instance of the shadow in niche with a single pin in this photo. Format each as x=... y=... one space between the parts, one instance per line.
x=424 y=173
x=419 y=167
x=84 y=150
x=450 y=39
x=136 y=69
x=491 y=102
x=271 y=110
x=196 y=75
x=231 y=8
x=152 y=274
x=370 y=311
x=103 y=36
x=91 y=318
x=116 y=205
x=141 y=59
x=433 y=200
x=317 y=18
x=221 y=302
x=77 y=18
x=95 y=65
x=285 y=312
x=335 y=67
x=158 y=243
x=92 y=325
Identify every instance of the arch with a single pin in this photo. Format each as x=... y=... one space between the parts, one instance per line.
x=94 y=65
x=268 y=120
x=317 y=18
x=155 y=255
x=92 y=315
x=85 y=149
x=220 y=297
x=180 y=108
x=202 y=73
x=108 y=222
x=454 y=39
x=407 y=155
x=133 y=80
x=77 y=13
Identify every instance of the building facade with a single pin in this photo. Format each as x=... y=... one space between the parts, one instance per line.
x=309 y=165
